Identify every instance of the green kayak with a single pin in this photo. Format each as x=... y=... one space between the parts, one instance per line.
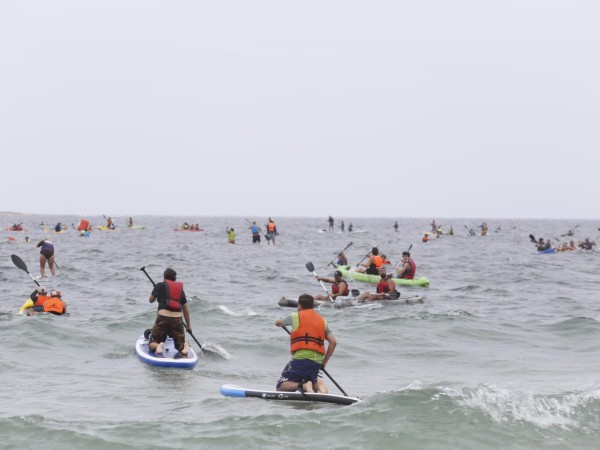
x=366 y=278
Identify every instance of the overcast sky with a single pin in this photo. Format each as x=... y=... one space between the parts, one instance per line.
x=351 y=108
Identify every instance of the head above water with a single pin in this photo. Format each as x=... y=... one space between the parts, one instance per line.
x=306 y=301
x=170 y=274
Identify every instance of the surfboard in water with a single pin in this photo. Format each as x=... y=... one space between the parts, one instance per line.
x=230 y=390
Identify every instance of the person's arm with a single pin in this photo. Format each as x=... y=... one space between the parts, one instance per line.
x=368 y=263
x=186 y=316
x=154 y=295
x=286 y=321
x=40 y=243
x=326 y=280
x=330 y=348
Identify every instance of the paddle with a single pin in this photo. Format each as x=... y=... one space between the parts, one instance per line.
x=21 y=265
x=322 y=368
x=143 y=269
x=311 y=268
x=532 y=239
x=366 y=256
x=345 y=248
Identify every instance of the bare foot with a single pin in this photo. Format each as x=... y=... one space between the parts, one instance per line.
x=160 y=348
x=186 y=349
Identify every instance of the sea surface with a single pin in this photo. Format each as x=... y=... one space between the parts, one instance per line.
x=503 y=353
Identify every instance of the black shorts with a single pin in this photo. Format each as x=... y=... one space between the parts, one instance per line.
x=255 y=238
x=47 y=253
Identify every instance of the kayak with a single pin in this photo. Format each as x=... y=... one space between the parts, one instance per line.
x=169 y=358
x=26 y=310
x=374 y=279
x=104 y=228
x=548 y=250
x=136 y=227
x=344 y=302
x=230 y=390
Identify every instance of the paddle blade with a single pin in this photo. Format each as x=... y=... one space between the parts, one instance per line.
x=355 y=292
x=409 y=247
x=19 y=263
x=532 y=238
x=310 y=266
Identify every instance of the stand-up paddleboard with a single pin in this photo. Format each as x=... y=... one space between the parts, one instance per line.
x=169 y=358
x=230 y=390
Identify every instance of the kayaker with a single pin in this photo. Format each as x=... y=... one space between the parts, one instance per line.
x=185 y=226
x=587 y=244
x=172 y=307
x=343 y=226
x=433 y=226
x=307 y=345
x=342 y=260
x=331 y=222
x=484 y=229
x=408 y=269
x=543 y=245
x=110 y=224
x=57 y=228
x=373 y=264
x=350 y=227
x=451 y=232
x=46 y=255
x=271 y=231
x=130 y=222
x=256 y=230
x=385 y=288
x=339 y=287
x=425 y=237
x=396 y=226
x=230 y=235
x=41 y=301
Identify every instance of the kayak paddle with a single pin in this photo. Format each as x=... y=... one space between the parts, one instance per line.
x=21 y=265
x=532 y=239
x=311 y=268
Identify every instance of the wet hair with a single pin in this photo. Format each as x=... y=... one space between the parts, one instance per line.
x=306 y=301
x=170 y=274
x=375 y=251
x=406 y=254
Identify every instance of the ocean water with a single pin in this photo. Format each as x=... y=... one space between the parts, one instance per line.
x=503 y=353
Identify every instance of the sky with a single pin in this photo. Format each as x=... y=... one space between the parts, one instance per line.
x=395 y=108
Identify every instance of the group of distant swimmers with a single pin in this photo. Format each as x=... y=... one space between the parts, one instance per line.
x=192 y=227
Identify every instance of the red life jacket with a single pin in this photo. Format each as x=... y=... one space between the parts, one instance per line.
x=383 y=287
x=310 y=334
x=174 y=290
x=411 y=272
x=335 y=288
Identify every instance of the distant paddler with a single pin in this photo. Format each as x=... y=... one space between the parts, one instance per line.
x=256 y=230
x=271 y=231
x=230 y=235
x=109 y=224
x=46 y=256
x=130 y=222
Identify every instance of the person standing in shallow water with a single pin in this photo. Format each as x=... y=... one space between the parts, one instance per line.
x=256 y=230
x=331 y=222
x=172 y=308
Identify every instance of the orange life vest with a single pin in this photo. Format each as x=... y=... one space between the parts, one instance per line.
x=271 y=227
x=378 y=261
x=310 y=334
x=52 y=305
